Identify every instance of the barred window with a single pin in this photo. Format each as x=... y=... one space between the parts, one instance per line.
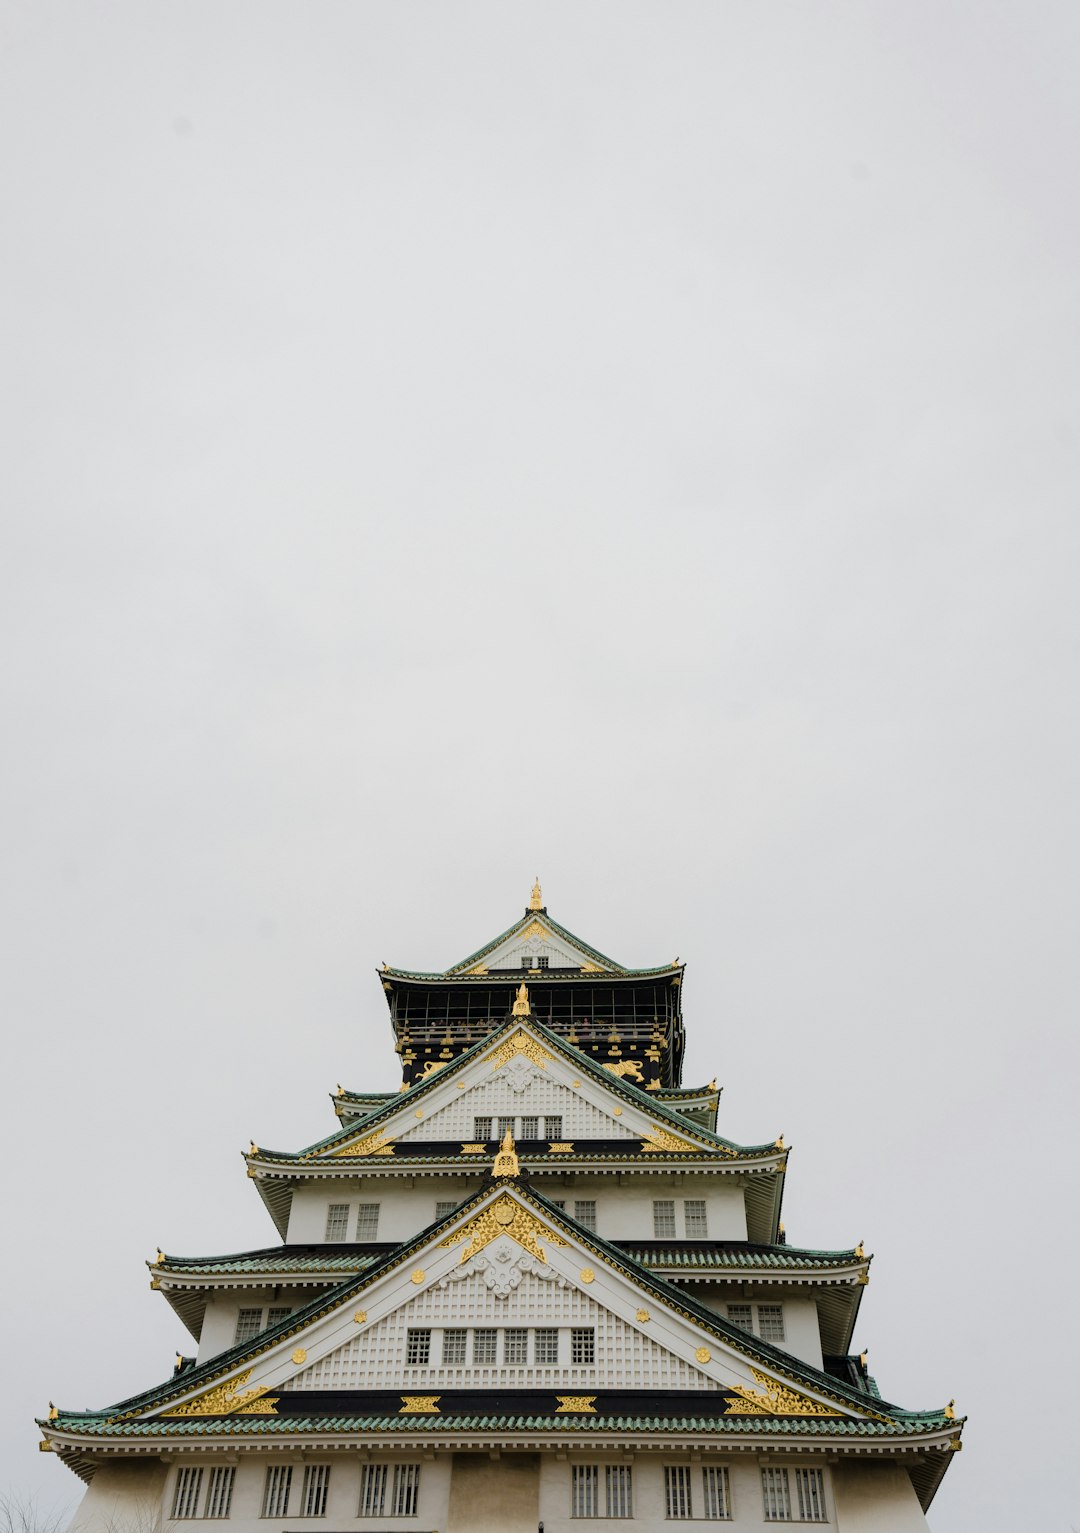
x=542 y=962
x=663 y=1219
x=697 y=1225
x=584 y=1483
x=742 y=1315
x=585 y=1213
x=557 y=1202
x=372 y=1490
x=503 y=1127
x=417 y=1348
x=444 y=1207
x=546 y=1344
x=582 y=1345
x=276 y=1490
x=716 y=1491
x=248 y=1324
x=219 y=1495
x=453 y=1347
x=776 y=1496
x=553 y=1127
x=313 y=1494
x=186 y=1495
x=526 y=963
x=530 y=1128
x=483 y=1346
x=677 y=1490
x=406 y=1490
x=620 y=1500
x=810 y=1488
x=337 y=1221
x=279 y=1313
x=367 y=1222
x=515 y=1347
x=482 y=1128
x=770 y=1319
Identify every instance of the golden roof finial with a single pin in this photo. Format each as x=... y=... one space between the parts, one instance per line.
x=53 y=1412
x=950 y=1411
x=506 y=1161
x=859 y=1252
x=521 y=1005
x=536 y=899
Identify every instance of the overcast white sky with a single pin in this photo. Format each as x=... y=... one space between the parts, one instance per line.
x=634 y=443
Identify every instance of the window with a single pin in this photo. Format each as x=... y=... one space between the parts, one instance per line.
x=526 y=963
x=367 y=1222
x=663 y=1219
x=186 y=1495
x=482 y=1128
x=546 y=1348
x=716 y=1491
x=417 y=1348
x=276 y=1490
x=337 y=1221
x=444 y=1207
x=584 y=1480
x=585 y=1213
x=515 y=1348
x=219 y=1495
x=248 y=1324
x=620 y=1501
x=742 y=1315
x=372 y=1490
x=582 y=1345
x=558 y=1202
x=313 y=1495
x=503 y=1127
x=677 y=1490
x=406 y=1490
x=483 y=1347
x=453 y=1348
x=553 y=1127
x=542 y=962
x=770 y=1318
x=530 y=1128
x=277 y=1315
x=697 y=1225
x=776 y=1496
x=810 y=1488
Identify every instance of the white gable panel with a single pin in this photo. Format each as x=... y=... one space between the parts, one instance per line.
x=518 y=1090
x=537 y=940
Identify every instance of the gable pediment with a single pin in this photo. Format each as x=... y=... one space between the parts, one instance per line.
x=535 y=939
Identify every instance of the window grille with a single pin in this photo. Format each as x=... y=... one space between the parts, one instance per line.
x=546 y=1347
x=406 y=1490
x=741 y=1315
x=530 y=1128
x=776 y=1496
x=771 y=1322
x=372 y=1490
x=553 y=1127
x=585 y=1213
x=697 y=1224
x=482 y=1128
x=503 y=1127
x=483 y=1347
x=677 y=1489
x=717 y=1491
x=417 y=1348
x=663 y=1219
x=542 y=962
x=313 y=1494
x=248 y=1324
x=219 y=1495
x=582 y=1345
x=558 y=1202
x=367 y=1222
x=276 y=1316
x=444 y=1207
x=515 y=1348
x=810 y=1487
x=337 y=1221
x=276 y=1490
x=620 y=1500
x=453 y=1347
x=186 y=1495
x=526 y=963
x=584 y=1481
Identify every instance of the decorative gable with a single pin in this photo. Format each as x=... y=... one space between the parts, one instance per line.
x=535 y=939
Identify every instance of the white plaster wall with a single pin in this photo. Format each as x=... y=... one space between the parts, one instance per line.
x=876 y=1498
x=802 y=1328
x=541 y=1094
x=222 y=1312
x=122 y=1498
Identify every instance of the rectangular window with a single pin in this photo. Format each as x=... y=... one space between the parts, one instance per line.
x=186 y=1495
x=716 y=1491
x=776 y=1496
x=444 y=1207
x=313 y=1495
x=503 y=1127
x=276 y=1490
x=620 y=1500
x=558 y=1202
x=248 y=1324
x=406 y=1495
x=584 y=1482
x=582 y=1345
x=553 y=1127
x=418 y=1348
x=741 y=1315
x=515 y=1347
x=663 y=1219
x=526 y=963
x=770 y=1319
x=677 y=1490
x=219 y=1494
x=372 y=1490
x=585 y=1213
x=697 y=1225
x=810 y=1488
x=530 y=1128
x=337 y=1221
x=483 y=1347
x=482 y=1129
x=367 y=1222
x=277 y=1315
x=542 y=962
x=453 y=1348
x=546 y=1348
